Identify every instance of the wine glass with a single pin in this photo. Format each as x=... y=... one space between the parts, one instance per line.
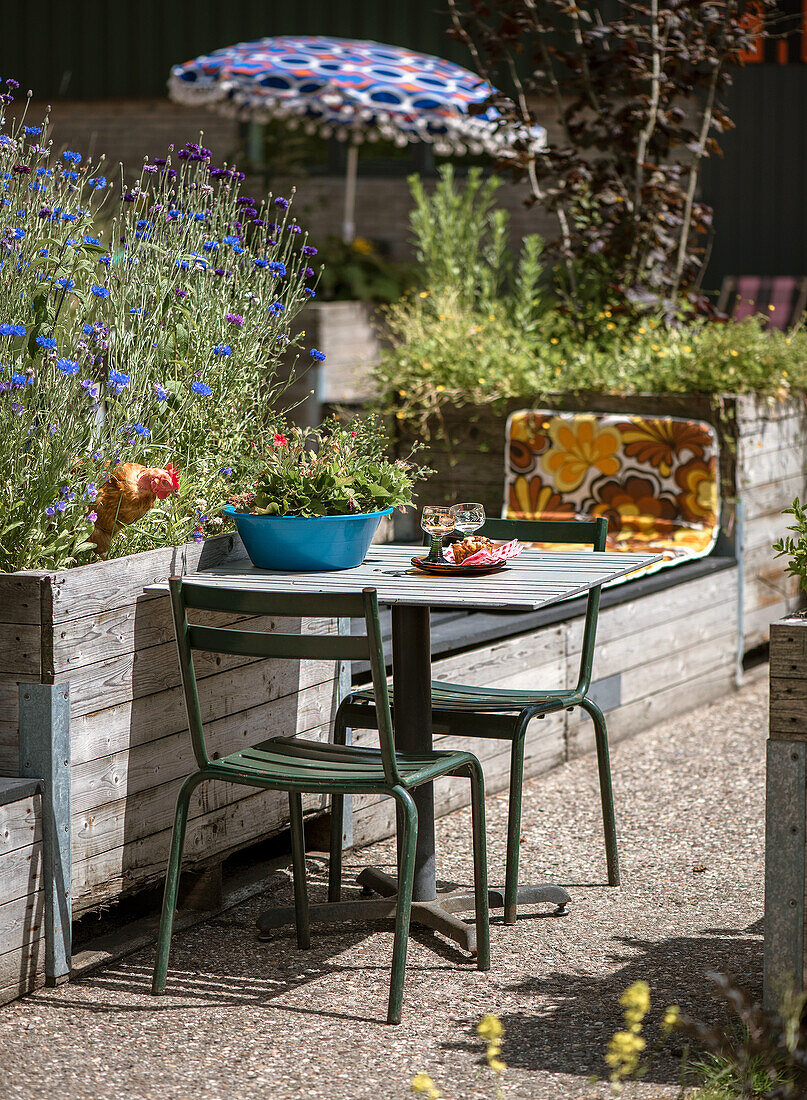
x=436 y=521
x=468 y=517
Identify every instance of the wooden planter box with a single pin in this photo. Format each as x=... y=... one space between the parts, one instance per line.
x=763 y=448
x=22 y=950
x=95 y=628
x=786 y=816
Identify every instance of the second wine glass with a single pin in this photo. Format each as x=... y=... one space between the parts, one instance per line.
x=468 y=517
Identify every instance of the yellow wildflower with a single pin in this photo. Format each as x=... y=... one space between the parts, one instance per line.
x=422 y=1083
x=642 y=331
x=362 y=245
x=424 y=294
x=733 y=352
x=490 y=1027
x=440 y=388
x=771 y=308
x=655 y=347
x=607 y=313
x=673 y=1013
x=686 y=348
x=636 y=1002
x=553 y=340
x=481 y=381
x=610 y=323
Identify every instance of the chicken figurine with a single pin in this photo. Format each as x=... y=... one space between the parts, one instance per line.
x=131 y=491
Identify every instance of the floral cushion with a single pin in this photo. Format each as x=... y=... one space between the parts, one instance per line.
x=654 y=479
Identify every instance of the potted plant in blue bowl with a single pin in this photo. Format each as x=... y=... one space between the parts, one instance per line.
x=319 y=494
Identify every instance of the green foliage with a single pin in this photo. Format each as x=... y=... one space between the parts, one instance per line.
x=149 y=336
x=329 y=471
x=796 y=548
x=484 y=328
x=359 y=271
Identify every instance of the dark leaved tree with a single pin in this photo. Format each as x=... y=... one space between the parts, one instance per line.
x=637 y=95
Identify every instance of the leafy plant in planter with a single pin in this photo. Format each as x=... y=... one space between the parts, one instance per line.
x=307 y=479
x=795 y=548
x=153 y=340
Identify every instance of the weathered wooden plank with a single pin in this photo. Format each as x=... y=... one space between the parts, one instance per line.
x=789 y=649
x=20 y=651
x=101 y=586
x=28 y=970
x=751 y=409
x=138 y=722
x=20 y=873
x=132 y=771
x=21 y=921
x=20 y=598
x=769 y=467
x=20 y=825
x=766 y=500
x=142 y=861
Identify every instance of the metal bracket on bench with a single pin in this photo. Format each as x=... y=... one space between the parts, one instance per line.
x=45 y=755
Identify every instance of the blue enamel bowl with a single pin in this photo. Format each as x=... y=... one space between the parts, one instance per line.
x=292 y=544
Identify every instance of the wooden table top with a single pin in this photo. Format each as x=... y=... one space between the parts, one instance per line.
x=532 y=580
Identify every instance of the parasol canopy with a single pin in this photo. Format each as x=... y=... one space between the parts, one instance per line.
x=354 y=91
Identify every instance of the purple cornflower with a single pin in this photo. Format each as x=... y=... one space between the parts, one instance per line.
x=280 y=201
x=50 y=510
x=235 y=319
x=308 y=250
x=92 y=517
x=293 y=228
x=91 y=491
x=308 y=272
x=180 y=293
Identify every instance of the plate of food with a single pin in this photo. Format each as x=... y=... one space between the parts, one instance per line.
x=472 y=556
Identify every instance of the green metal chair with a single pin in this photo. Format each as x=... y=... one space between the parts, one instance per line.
x=504 y=713
x=295 y=765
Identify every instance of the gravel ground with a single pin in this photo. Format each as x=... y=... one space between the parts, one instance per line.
x=249 y=1019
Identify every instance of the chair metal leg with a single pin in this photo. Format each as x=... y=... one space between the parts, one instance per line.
x=480 y=868
x=406 y=874
x=298 y=866
x=172 y=882
x=514 y=826
x=606 y=790
x=337 y=824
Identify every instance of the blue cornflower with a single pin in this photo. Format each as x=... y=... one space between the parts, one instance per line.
x=74 y=157
x=318 y=355
x=98 y=183
x=119 y=379
x=276 y=307
x=46 y=172
x=68 y=367
x=17 y=234
x=43 y=252
x=92 y=389
x=91 y=240
x=160 y=392
x=230 y=240
x=61 y=505
x=71 y=175
x=222 y=349
x=12 y=330
x=87 y=330
x=50 y=510
x=18 y=379
x=277 y=268
x=311 y=293
x=97 y=456
x=33 y=130
x=237 y=249
x=210 y=246
x=201 y=389
x=100 y=292
x=91 y=491
x=140 y=430
x=183 y=264
x=69 y=217
x=46 y=342
x=135 y=309
x=226 y=470
x=261 y=263
x=66 y=284
x=104 y=260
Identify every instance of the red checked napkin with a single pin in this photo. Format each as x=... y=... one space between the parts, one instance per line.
x=487 y=557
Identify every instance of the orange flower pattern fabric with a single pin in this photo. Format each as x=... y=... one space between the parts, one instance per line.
x=654 y=479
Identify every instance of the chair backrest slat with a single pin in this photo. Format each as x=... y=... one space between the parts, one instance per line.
x=576 y=532
x=224 y=597
x=258 y=643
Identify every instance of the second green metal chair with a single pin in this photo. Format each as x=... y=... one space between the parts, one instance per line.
x=503 y=713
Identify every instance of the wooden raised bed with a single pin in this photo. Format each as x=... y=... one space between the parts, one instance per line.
x=763 y=466
x=95 y=628
x=786 y=814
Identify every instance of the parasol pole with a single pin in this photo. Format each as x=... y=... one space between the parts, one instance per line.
x=348 y=222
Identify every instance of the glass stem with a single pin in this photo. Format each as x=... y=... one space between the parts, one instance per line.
x=436 y=550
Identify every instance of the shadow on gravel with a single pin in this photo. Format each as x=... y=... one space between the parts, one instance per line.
x=568 y=1029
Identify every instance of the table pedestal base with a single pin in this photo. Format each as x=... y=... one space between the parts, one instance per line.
x=437 y=914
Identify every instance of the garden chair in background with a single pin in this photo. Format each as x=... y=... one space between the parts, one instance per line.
x=504 y=713
x=300 y=766
x=781 y=299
